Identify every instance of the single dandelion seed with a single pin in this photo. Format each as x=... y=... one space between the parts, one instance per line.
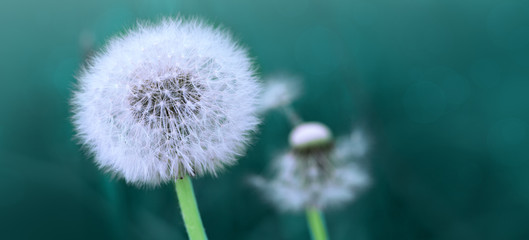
x=151 y=119
x=316 y=173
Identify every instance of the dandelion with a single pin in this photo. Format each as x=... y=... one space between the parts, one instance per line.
x=317 y=173
x=280 y=89
x=167 y=101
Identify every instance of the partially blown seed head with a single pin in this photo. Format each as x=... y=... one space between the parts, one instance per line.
x=317 y=171
x=168 y=100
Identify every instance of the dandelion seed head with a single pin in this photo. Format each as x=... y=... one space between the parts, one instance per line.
x=280 y=90
x=167 y=100
x=315 y=175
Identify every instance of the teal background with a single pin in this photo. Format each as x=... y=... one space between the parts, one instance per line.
x=441 y=87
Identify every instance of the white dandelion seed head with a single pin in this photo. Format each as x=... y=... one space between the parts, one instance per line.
x=279 y=90
x=317 y=175
x=168 y=100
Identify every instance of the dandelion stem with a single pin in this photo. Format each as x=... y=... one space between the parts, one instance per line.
x=316 y=224
x=189 y=208
x=292 y=116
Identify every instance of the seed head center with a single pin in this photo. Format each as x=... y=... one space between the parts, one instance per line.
x=165 y=102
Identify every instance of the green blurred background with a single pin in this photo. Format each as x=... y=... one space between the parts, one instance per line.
x=441 y=86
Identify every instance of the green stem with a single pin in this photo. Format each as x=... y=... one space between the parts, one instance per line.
x=292 y=116
x=316 y=224
x=189 y=208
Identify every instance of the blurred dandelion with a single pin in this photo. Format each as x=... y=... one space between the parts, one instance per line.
x=280 y=90
x=316 y=173
x=168 y=101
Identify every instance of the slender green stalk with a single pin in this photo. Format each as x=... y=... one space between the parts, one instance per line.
x=189 y=208
x=292 y=116
x=316 y=224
